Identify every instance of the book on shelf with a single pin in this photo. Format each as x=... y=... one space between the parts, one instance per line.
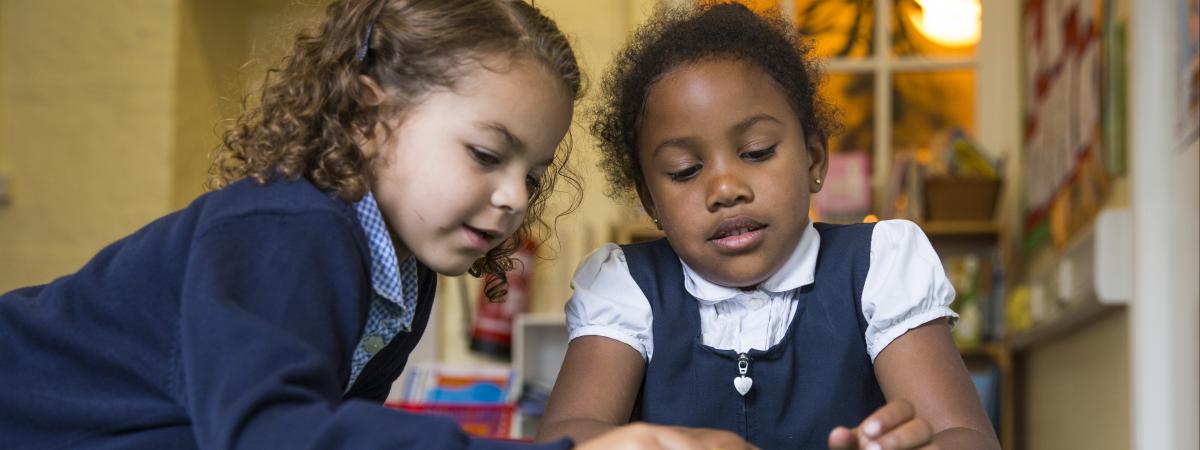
x=438 y=383
x=987 y=383
x=975 y=277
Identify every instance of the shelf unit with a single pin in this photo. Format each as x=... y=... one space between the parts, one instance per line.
x=974 y=236
x=539 y=347
x=1065 y=277
x=1069 y=320
x=972 y=228
x=999 y=354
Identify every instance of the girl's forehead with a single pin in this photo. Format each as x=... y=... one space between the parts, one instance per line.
x=712 y=93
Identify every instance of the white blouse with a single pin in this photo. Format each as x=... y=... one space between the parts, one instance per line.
x=905 y=288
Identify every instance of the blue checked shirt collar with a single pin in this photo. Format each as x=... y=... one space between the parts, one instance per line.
x=394 y=301
x=385 y=269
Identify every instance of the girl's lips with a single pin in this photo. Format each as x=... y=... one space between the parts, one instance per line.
x=480 y=240
x=741 y=241
x=735 y=225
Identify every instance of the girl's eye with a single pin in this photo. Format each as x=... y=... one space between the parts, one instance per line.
x=484 y=157
x=685 y=174
x=534 y=183
x=760 y=155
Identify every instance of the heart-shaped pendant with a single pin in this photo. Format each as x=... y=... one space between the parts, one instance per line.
x=742 y=384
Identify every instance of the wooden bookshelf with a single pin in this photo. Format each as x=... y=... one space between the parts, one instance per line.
x=1001 y=355
x=959 y=237
x=1061 y=324
x=995 y=350
x=1073 y=295
x=973 y=228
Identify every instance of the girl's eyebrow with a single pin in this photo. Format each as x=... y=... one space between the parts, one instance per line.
x=744 y=125
x=739 y=128
x=684 y=142
x=509 y=138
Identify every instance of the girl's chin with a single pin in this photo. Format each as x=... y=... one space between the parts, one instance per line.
x=455 y=272
x=448 y=266
x=733 y=279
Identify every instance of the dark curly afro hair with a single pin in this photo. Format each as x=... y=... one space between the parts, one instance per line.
x=678 y=35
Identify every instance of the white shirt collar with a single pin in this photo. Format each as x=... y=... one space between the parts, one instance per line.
x=797 y=271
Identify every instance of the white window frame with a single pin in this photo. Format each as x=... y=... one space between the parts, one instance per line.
x=996 y=114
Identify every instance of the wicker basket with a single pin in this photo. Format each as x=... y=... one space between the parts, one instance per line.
x=960 y=199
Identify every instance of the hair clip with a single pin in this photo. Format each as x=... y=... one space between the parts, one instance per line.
x=366 y=43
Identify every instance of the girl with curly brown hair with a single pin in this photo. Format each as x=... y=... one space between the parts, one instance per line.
x=401 y=140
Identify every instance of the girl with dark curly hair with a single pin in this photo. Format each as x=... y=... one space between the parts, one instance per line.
x=748 y=317
x=401 y=140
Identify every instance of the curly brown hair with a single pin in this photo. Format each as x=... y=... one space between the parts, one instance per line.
x=313 y=108
x=677 y=35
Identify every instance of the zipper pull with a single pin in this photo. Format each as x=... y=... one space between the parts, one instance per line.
x=743 y=383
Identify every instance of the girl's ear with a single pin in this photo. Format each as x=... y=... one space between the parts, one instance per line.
x=373 y=95
x=648 y=203
x=818 y=161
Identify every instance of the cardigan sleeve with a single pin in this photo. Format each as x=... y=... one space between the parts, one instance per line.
x=272 y=306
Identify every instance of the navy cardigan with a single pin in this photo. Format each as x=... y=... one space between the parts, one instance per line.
x=228 y=324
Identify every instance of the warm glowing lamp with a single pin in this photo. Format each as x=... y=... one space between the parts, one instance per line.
x=949 y=23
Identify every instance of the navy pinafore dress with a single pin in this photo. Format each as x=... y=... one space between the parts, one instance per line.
x=818 y=377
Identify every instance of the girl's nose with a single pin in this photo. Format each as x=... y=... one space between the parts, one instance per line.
x=727 y=188
x=511 y=197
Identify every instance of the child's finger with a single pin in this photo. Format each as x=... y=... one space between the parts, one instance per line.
x=842 y=438
x=681 y=438
x=720 y=439
x=885 y=418
x=640 y=436
x=909 y=435
x=672 y=439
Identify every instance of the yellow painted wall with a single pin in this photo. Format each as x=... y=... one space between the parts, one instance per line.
x=109 y=112
x=225 y=49
x=212 y=46
x=1077 y=389
x=4 y=152
x=88 y=120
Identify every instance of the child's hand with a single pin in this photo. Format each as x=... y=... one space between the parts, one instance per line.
x=640 y=436
x=892 y=427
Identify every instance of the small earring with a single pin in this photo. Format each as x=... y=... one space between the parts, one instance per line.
x=818 y=181
x=657 y=224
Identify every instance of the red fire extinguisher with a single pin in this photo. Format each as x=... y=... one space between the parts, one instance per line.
x=491 y=332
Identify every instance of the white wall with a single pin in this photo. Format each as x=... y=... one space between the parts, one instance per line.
x=1166 y=399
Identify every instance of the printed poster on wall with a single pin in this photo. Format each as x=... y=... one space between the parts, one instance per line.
x=1064 y=101
x=1188 y=109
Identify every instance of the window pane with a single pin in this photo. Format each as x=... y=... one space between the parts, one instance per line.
x=760 y=5
x=853 y=94
x=839 y=28
x=929 y=104
x=945 y=28
x=846 y=194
